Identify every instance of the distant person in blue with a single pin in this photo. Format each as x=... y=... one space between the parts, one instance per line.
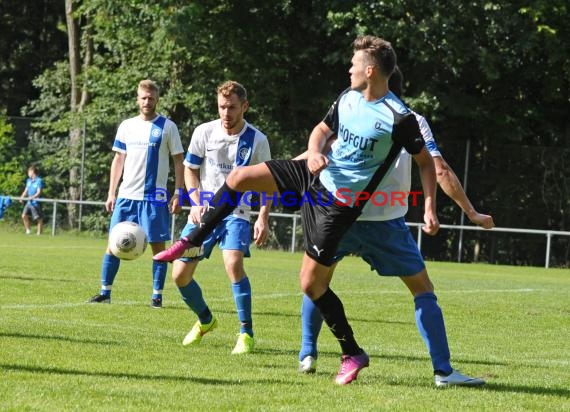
x=371 y=123
x=33 y=208
x=143 y=147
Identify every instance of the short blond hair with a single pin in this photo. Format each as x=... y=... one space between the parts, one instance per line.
x=149 y=86
x=230 y=87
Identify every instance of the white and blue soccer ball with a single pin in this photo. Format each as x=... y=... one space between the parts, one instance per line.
x=127 y=240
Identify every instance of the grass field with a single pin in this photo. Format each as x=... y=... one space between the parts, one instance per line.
x=508 y=324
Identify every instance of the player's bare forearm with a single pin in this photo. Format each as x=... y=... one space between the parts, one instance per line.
x=428 y=178
x=178 y=170
x=115 y=173
x=192 y=182
x=451 y=186
x=326 y=148
x=114 y=176
x=316 y=160
x=261 y=226
x=174 y=205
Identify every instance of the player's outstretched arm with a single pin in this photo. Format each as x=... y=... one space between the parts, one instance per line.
x=451 y=186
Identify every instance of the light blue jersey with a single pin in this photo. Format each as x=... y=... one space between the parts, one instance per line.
x=364 y=138
x=32 y=187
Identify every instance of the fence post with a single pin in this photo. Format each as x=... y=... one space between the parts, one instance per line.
x=294 y=234
x=420 y=238
x=547 y=259
x=53 y=217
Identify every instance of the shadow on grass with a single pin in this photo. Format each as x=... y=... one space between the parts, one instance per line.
x=533 y=390
x=55 y=337
x=31 y=279
x=298 y=316
x=50 y=370
x=379 y=357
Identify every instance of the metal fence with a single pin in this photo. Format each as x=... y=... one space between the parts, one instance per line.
x=180 y=220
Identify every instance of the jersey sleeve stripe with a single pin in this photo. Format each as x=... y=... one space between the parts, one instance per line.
x=192 y=159
x=119 y=146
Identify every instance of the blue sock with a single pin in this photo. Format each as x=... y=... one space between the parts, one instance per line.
x=192 y=296
x=109 y=270
x=242 y=298
x=429 y=320
x=159 y=270
x=311 y=323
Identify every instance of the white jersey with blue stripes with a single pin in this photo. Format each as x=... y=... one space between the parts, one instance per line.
x=215 y=154
x=148 y=146
x=399 y=181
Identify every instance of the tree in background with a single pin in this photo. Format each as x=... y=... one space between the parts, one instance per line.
x=495 y=74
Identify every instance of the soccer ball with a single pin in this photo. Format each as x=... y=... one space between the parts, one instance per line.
x=127 y=240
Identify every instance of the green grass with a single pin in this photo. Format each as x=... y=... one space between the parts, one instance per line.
x=508 y=324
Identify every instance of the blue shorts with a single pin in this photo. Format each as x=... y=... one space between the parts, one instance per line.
x=153 y=217
x=232 y=233
x=388 y=246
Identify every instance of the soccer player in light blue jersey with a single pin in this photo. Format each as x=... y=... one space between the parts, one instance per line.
x=143 y=147
x=382 y=239
x=33 y=208
x=216 y=148
x=369 y=121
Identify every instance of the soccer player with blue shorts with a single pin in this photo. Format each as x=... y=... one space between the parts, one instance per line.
x=216 y=148
x=368 y=119
x=33 y=208
x=382 y=239
x=143 y=146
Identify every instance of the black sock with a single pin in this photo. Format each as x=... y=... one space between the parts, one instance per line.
x=224 y=202
x=333 y=314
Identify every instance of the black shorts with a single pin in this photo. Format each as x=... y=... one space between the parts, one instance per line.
x=324 y=221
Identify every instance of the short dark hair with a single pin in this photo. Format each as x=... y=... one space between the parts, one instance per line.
x=379 y=51
x=33 y=168
x=396 y=82
x=228 y=88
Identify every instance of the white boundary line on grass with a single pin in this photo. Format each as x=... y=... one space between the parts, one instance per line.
x=264 y=296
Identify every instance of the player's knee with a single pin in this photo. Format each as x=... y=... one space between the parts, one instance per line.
x=180 y=278
x=235 y=177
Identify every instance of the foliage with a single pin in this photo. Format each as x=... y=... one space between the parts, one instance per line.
x=31 y=41
x=12 y=176
x=496 y=74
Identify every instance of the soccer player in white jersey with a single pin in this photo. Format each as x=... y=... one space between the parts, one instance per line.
x=377 y=235
x=143 y=146
x=216 y=148
x=369 y=120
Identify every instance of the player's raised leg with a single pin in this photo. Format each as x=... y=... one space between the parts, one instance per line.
x=255 y=178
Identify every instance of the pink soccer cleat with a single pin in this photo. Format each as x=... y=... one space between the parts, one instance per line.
x=350 y=366
x=174 y=252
